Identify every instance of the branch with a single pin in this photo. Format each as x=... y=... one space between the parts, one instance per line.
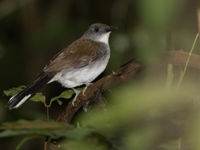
x=178 y=58
x=125 y=72
x=122 y=74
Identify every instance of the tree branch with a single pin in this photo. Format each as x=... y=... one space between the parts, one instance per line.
x=178 y=58
x=125 y=72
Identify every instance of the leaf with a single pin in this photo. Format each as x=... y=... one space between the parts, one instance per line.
x=14 y=91
x=72 y=133
x=10 y=133
x=24 y=140
x=43 y=128
x=38 y=97
x=59 y=102
x=79 y=133
x=36 y=124
x=66 y=95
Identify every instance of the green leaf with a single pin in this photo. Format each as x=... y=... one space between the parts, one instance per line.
x=38 y=97
x=24 y=140
x=66 y=95
x=14 y=91
x=59 y=102
x=10 y=133
x=43 y=128
x=72 y=133
x=36 y=124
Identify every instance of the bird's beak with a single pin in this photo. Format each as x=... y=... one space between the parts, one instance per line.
x=111 y=28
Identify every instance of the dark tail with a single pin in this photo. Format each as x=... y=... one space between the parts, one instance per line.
x=18 y=99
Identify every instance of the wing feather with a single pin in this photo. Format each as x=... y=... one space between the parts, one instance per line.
x=79 y=54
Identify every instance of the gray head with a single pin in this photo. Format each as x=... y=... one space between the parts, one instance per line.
x=98 y=32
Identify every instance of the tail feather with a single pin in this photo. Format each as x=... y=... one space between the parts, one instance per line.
x=18 y=99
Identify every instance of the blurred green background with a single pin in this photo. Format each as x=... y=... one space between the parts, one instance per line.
x=142 y=114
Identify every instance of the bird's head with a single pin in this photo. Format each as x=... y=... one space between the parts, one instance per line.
x=98 y=32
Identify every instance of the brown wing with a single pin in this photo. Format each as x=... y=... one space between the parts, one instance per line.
x=80 y=53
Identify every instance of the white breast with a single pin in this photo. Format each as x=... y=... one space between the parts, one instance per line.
x=79 y=76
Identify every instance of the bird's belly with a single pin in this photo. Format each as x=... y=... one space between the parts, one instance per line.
x=79 y=76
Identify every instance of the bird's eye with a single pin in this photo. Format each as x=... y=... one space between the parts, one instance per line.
x=96 y=29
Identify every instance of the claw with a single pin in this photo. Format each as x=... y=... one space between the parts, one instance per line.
x=87 y=85
x=77 y=92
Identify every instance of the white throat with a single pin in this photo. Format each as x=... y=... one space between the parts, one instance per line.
x=104 y=38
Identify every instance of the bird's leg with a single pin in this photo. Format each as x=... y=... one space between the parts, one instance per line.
x=87 y=84
x=77 y=93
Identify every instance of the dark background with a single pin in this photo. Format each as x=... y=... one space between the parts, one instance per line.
x=32 y=31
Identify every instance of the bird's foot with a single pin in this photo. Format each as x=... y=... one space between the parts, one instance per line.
x=87 y=85
x=77 y=92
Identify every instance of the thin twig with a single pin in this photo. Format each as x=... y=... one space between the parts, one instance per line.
x=187 y=61
x=47 y=112
x=46 y=142
x=45 y=145
x=179 y=143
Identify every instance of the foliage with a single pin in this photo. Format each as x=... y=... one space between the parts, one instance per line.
x=39 y=97
x=24 y=140
x=43 y=128
x=39 y=128
x=14 y=91
x=66 y=95
x=141 y=120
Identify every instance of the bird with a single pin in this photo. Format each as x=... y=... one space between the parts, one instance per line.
x=78 y=64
